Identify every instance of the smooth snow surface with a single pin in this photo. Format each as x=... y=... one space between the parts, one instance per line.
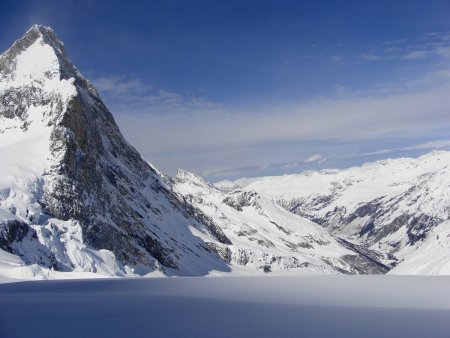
x=307 y=306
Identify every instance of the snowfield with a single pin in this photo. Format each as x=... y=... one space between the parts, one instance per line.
x=269 y=306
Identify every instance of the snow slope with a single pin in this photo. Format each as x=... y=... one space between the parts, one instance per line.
x=306 y=306
x=432 y=257
x=390 y=206
x=267 y=237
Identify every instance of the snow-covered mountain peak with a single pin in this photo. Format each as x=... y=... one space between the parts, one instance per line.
x=36 y=54
x=39 y=60
x=184 y=176
x=37 y=81
x=68 y=174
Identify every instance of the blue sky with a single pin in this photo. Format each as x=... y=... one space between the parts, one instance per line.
x=249 y=88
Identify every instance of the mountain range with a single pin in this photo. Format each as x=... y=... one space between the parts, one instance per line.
x=76 y=199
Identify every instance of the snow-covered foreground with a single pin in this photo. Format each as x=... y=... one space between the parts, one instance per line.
x=275 y=306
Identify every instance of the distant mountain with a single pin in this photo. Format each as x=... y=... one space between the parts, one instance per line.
x=266 y=236
x=398 y=208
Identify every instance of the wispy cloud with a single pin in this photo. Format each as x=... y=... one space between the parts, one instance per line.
x=415 y=55
x=240 y=171
x=430 y=45
x=120 y=85
x=131 y=95
x=185 y=130
x=438 y=144
x=333 y=119
x=315 y=158
x=428 y=145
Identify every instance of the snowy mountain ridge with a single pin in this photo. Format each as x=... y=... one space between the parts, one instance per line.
x=390 y=206
x=76 y=199
x=266 y=236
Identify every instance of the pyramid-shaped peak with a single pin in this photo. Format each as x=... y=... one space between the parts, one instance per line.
x=44 y=48
x=44 y=34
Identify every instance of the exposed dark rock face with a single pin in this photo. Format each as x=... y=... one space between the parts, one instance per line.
x=367 y=261
x=19 y=238
x=377 y=220
x=12 y=231
x=223 y=252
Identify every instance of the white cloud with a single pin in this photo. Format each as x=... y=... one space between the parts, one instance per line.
x=415 y=55
x=131 y=95
x=290 y=165
x=428 y=145
x=443 y=51
x=119 y=85
x=437 y=144
x=315 y=158
x=339 y=119
x=430 y=45
x=256 y=168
